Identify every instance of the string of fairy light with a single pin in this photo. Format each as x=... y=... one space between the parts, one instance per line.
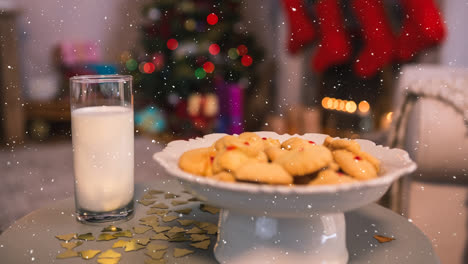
x=208 y=67
x=348 y=106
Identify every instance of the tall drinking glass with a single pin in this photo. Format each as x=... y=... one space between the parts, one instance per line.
x=103 y=150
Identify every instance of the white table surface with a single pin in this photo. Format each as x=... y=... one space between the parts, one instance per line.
x=31 y=239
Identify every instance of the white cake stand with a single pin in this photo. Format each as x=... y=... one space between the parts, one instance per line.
x=281 y=224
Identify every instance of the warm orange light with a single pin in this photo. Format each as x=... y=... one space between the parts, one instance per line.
x=341 y=107
x=325 y=102
x=335 y=104
x=389 y=116
x=364 y=106
x=351 y=107
x=330 y=103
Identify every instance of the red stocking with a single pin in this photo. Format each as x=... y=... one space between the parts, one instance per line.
x=422 y=28
x=377 y=37
x=334 y=47
x=301 y=30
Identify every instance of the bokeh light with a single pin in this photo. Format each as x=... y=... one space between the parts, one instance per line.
x=351 y=107
x=208 y=67
x=172 y=44
x=190 y=25
x=364 y=106
x=325 y=102
x=158 y=61
x=212 y=19
x=131 y=64
x=246 y=60
x=214 y=49
x=200 y=73
x=242 y=50
x=233 y=54
x=149 y=67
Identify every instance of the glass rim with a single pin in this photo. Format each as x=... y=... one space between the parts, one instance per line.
x=101 y=78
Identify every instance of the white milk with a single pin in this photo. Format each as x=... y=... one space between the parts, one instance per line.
x=103 y=157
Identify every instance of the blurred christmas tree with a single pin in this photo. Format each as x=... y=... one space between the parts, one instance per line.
x=192 y=47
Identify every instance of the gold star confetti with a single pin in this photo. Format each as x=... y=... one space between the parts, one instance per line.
x=154 y=192
x=185 y=222
x=169 y=218
x=67 y=254
x=383 y=239
x=180 y=252
x=160 y=206
x=147 y=196
x=125 y=233
x=89 y=254
x=155 y=247
x=66 y=237
x=201 y=245
x=110 y=254
x=150 y=219
x=194 y=199
x=157 y=211
x=111 y=228
x=133 y=246
x=171 y=196
x=71 y=245
x=159 y=229
x=184 y=211
x=146 y=202
x=155 y=261
x=195 y=230
x=142 y=241
x=197 y=237
x=141 y=229
x=108 y=260
x=105 y=237
x=176 y=229
x=176 y=202
x=156 y=254
x=209 y=208
x=120 y=244
x=87 y=237
x=159 y=236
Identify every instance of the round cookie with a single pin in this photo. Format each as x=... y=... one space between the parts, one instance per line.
x=261 y=157
x=223 y=176
x=305 y=161
x=354 y=165
x=270 y=142
x=250 y=146
x=374 y=161
x=296 y=143
x=229 y=159
x=335 y=144
x=198 y=161
x=331 y=177
x=270 y=173
x=273 y=153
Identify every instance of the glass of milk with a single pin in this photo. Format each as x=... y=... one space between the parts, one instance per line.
x=103 y=150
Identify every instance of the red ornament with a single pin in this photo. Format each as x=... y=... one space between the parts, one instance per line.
x=149 y=67
x=214 y=49
x=172 y=44
x=242 y=50
x=208 y=67
x=212 y=19
x=246 y=60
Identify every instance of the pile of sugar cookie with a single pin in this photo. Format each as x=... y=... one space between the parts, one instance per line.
x=296 y=161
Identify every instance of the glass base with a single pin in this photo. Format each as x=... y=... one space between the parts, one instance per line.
x=119 y=215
